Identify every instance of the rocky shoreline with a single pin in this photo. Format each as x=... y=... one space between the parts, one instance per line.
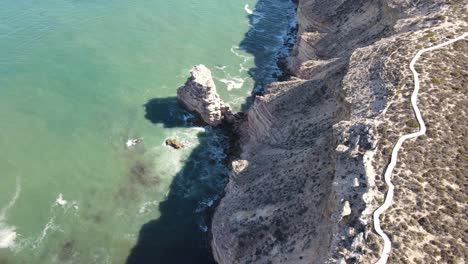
x=306 y=175
x=199 y=97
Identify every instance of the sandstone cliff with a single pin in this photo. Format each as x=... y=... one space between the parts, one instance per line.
x=200 y=97
x=309 y=175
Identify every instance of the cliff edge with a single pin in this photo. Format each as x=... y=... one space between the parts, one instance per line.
x=314 y=148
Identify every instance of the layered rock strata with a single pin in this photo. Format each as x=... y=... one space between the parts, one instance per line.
x=309 y=174
x=199 y=96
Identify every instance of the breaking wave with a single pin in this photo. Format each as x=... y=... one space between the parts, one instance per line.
x=248 y=10
x=12 y=201
x=8 y=233
x=245 y=58
x=233 y=82
x=7 y=236
x=148 y=206
x=50 y=225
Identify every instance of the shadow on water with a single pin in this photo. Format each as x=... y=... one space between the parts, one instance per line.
x=165 y=111
x=177 y=236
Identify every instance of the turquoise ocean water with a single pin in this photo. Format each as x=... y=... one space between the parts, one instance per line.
x=80 y=77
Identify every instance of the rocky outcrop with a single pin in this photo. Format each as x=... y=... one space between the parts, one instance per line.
x=199 y=96
x=174 y=143
x=303 y=188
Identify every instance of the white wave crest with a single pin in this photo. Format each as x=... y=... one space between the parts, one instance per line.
x=60 y=201
x=7 y=236
x=233 y=82
x=146 y=206
x=198 y=129
x=234 y=50
x=248 y=10
x=50 y=225
x=12 y=201
x=8 y=233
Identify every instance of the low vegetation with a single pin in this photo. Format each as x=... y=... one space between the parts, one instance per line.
x=428 y=220
x=429 y=216
x=412 y=123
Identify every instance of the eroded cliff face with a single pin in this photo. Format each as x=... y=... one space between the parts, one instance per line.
x=304 y=187
x=278 y=202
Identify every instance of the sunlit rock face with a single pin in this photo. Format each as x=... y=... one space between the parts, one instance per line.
x=199 y=96
x=303 y=188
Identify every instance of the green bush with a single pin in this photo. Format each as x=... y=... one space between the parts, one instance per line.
x=429 y=35
x=440 y=17
x=436 y=80
x=412 y=123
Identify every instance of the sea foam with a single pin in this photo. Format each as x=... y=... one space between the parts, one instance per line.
x=248 y=10
x=7 y=236
x=234 y=50
x=12 y=201
x=148 y=206
x=8 y=233
x=233 y=82
x=49 y=226
x=60 y=201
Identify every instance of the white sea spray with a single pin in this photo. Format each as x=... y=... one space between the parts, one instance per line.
x=7 y=236
x=235 y=50
x=45 y=231
x=148 y=206
x=233 y=82
x=8 y=233
x=248 y=10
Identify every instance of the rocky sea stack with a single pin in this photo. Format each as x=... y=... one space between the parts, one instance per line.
x=200 y=97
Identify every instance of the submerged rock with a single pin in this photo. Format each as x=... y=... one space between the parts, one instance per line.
x=199 y=96
x=174 y=143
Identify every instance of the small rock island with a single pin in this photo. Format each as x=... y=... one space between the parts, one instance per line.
x=199 y=96
x=174 y=143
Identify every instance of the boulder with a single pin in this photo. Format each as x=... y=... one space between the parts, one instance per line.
x=174 y=143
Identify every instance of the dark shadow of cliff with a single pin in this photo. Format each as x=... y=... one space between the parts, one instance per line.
x=269 y=38
x=177 y=236
x=165 y=111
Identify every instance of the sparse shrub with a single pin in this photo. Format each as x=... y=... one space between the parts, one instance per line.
x=436 y=80
x=412 y=123
x=429 y=35
x=456 y=87
x=440 y=17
